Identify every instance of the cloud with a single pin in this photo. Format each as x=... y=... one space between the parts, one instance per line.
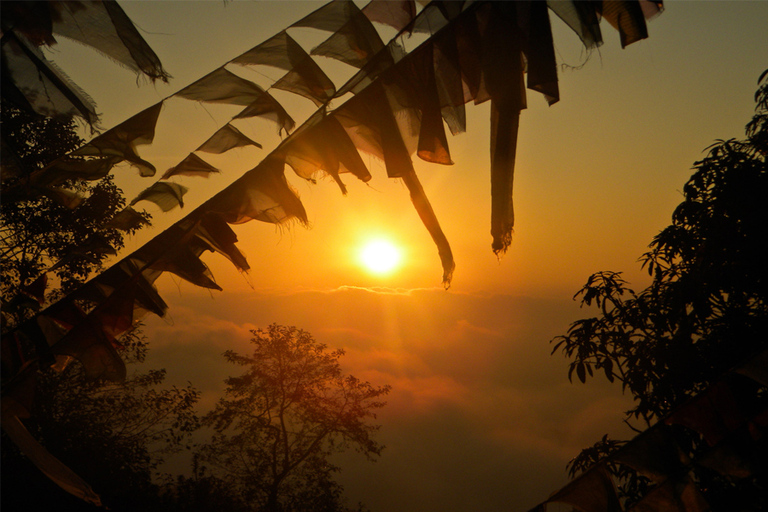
x=190 y=346
x=480 y=417
x=447 y=461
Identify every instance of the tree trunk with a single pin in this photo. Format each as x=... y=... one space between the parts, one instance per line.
x=273 y=503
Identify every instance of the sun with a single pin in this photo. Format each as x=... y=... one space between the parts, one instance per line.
x=380 y=256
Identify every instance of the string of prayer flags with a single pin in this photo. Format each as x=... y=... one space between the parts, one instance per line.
x=473 y=51
x=471 y=55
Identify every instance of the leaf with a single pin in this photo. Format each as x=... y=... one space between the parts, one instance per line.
x=581 y=372
x=608 y=368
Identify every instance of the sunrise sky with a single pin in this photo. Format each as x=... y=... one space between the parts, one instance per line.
x=480 y=416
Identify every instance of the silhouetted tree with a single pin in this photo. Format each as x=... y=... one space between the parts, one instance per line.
x=704 y=313
x=64 y=229
x=114 y=435
x=201 y=492
x=279 y=422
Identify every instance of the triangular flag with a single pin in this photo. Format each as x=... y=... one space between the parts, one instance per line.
x=164 y=194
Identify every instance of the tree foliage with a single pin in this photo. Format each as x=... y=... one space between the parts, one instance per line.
x=202 y=492
x=63 y=229
x=706 y=309
x=280 y=420
x=114 y=435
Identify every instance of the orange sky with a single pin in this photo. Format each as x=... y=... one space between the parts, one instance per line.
x=481 y=417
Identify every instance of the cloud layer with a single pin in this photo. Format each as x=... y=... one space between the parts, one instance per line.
x=480 y=417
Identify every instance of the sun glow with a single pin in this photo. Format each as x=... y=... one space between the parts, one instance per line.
x=380 y=256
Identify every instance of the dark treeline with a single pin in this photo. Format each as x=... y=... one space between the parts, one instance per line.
x=115 y=429
x=271 y=434
x=691 y=331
